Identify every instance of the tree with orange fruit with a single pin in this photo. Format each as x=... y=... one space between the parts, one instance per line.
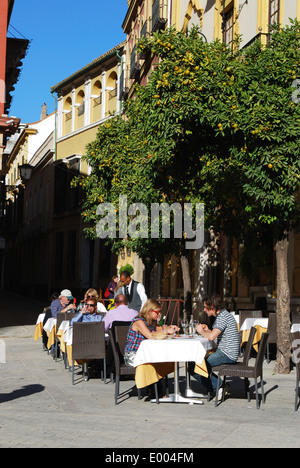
x=219 y=126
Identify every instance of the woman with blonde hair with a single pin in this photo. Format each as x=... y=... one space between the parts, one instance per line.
x=142 y=328
x=92 y=294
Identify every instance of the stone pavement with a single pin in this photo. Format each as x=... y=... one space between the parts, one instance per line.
x=39 y=406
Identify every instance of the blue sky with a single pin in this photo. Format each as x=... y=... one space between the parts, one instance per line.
x=65 y=36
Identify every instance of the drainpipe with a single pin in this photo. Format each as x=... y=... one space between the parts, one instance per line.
x=121 y=67
x=55 y=135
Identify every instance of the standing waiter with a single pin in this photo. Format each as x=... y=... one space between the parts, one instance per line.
x=134 y=291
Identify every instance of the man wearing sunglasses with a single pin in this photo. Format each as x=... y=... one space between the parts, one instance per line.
x=88 y=313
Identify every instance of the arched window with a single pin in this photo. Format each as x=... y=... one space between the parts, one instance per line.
x=96 y=101
x=112 y=85
x=112 y=93
x=67 y=120
x=79 y=115
x=80 y=103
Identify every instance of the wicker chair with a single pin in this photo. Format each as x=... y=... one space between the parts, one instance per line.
x=244 y=314
x=295 y=342
x=88 y=344
x=244 y=362
x=295 y=317
x=110 y=360
x=272 y=330
x=118 y=345
x=247 y=372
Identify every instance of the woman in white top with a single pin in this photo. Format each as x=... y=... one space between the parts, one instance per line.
x=92 y=293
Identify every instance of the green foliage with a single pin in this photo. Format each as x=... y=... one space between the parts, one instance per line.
x=212 y=125
x=128 y=268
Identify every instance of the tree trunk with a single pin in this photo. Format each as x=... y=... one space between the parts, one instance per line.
x=282 y=365
x=187 y=287
x=147 y=275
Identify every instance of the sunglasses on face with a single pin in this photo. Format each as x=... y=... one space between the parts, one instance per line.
x=156 y=311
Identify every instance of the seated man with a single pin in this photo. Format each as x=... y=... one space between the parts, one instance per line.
x=63 y=303
x=225 y=332
x=88 y=313
x=122 y=313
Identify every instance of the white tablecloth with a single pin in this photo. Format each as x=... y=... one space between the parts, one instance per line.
x=51 y=322
x=40 y=318
x=253 y=322
x=295 y=327
x=236 y=317
x=181 y=349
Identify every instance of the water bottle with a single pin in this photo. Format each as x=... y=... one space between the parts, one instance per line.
x=191 y=325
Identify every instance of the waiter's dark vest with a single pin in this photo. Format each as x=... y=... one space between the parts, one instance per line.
x=134 y=300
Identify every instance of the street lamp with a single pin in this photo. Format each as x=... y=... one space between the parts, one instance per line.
x=26 y=171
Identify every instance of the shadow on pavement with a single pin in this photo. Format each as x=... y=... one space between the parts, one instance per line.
x=22 y=392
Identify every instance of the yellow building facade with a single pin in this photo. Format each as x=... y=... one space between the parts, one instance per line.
x=84 y=100
x=218 y=20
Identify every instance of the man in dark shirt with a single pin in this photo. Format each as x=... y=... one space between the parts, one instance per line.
x=63 y=303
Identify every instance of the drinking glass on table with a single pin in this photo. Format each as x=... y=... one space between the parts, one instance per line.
x=185 y=326
x=195 y=323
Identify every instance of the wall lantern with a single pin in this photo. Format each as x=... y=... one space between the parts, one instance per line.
x=25 y=171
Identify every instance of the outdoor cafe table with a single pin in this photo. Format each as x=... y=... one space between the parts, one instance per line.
x=61 y=334
x=50 y=329
x=261 y=325
x=295 y=327
x=157 y=358
x=38 y=332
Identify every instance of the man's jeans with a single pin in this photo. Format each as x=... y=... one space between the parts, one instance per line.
x=214 y=359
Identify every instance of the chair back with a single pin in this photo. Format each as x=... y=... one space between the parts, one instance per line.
x=261 y=354
x=117 y=340
x=272 y=327
x=88 y=341
x=244 y=314
x=61 y=316
x=249 y=345
x=295 y=317
x=70 y=315
x=295 y=342
x=113 y=349
x=121 y=337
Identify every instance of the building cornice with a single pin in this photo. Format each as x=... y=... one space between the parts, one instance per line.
x=98 y=61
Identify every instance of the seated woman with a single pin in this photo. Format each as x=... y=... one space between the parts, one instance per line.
x=142 y=328
x=88 y=313
x=92 y=293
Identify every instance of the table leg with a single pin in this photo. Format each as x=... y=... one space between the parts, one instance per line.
x=176 y=397
x=188 y=391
